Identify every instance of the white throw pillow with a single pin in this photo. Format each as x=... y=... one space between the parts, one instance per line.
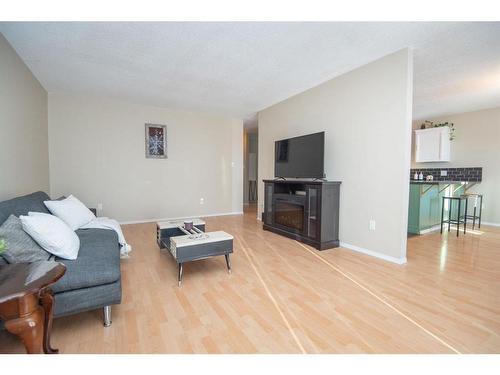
x=71 y=211
x=52 y=234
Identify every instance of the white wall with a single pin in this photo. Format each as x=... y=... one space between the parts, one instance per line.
x=366 y=115
x=476 y=144
x=24 y=158
x=97 y=152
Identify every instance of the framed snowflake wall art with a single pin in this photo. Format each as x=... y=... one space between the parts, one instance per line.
x=156 y=141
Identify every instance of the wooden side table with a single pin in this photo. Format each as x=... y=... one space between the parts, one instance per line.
x=26 y=302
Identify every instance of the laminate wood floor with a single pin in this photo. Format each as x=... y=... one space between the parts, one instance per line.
x=285 y=297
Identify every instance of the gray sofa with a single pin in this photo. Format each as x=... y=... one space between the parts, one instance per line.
x=91 y=281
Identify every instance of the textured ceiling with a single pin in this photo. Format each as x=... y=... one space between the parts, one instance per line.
x=240 y=68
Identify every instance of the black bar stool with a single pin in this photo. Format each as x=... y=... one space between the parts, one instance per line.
x=460 y=219
x=474 y=215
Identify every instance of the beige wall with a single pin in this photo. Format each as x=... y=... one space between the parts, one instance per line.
x=366 y=115
x=476 y=144
x=97 y=152
x=24 y=160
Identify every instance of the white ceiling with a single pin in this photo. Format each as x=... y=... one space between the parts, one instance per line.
x=240 y=68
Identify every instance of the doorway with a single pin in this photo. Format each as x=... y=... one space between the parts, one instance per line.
x=250 y=160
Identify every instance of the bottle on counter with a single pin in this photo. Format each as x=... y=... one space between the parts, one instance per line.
x=415 y=176
x=421 y=176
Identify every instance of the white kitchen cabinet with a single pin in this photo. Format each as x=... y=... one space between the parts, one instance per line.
x=432 y=144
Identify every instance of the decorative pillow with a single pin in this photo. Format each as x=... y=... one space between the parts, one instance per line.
x=52 y=234
x=20 y=246
x=71 y=211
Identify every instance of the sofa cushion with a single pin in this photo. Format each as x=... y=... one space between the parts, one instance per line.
x=21 y=248
x=70 y=210
x=98 y=261
x=22 y=205
x=52 y=234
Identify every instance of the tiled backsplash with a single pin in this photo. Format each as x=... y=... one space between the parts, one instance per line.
x=454 y=174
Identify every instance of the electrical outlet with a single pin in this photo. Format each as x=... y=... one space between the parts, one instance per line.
x=99 y=206
x=444 y=172
x=372 y=224
x=202 y=201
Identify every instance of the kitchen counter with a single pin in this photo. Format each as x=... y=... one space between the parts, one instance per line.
x=426 y=197
x=426 y=200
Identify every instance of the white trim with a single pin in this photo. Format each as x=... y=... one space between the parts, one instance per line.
x=179 y=218
x=438 y=227
x=487 y=223
x=406 y=164
x=373 y=253
x=431 y=229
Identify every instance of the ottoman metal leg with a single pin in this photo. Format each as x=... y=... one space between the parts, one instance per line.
x=180 y=274
x=228 y=263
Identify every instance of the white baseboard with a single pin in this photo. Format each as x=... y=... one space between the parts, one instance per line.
x=179 y=218
x=488 y=223
x=431 y=229
x=438 y=227
x=373 y=253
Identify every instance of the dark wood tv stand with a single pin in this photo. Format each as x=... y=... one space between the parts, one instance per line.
x=305 y=210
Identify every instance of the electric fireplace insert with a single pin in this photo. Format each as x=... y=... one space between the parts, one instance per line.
x=289 y=214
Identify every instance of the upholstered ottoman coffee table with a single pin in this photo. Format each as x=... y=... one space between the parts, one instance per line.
x=193 y=244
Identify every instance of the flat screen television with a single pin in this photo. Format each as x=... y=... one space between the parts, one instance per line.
x=300 y=157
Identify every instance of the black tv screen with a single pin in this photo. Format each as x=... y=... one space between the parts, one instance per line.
x=300 y=157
